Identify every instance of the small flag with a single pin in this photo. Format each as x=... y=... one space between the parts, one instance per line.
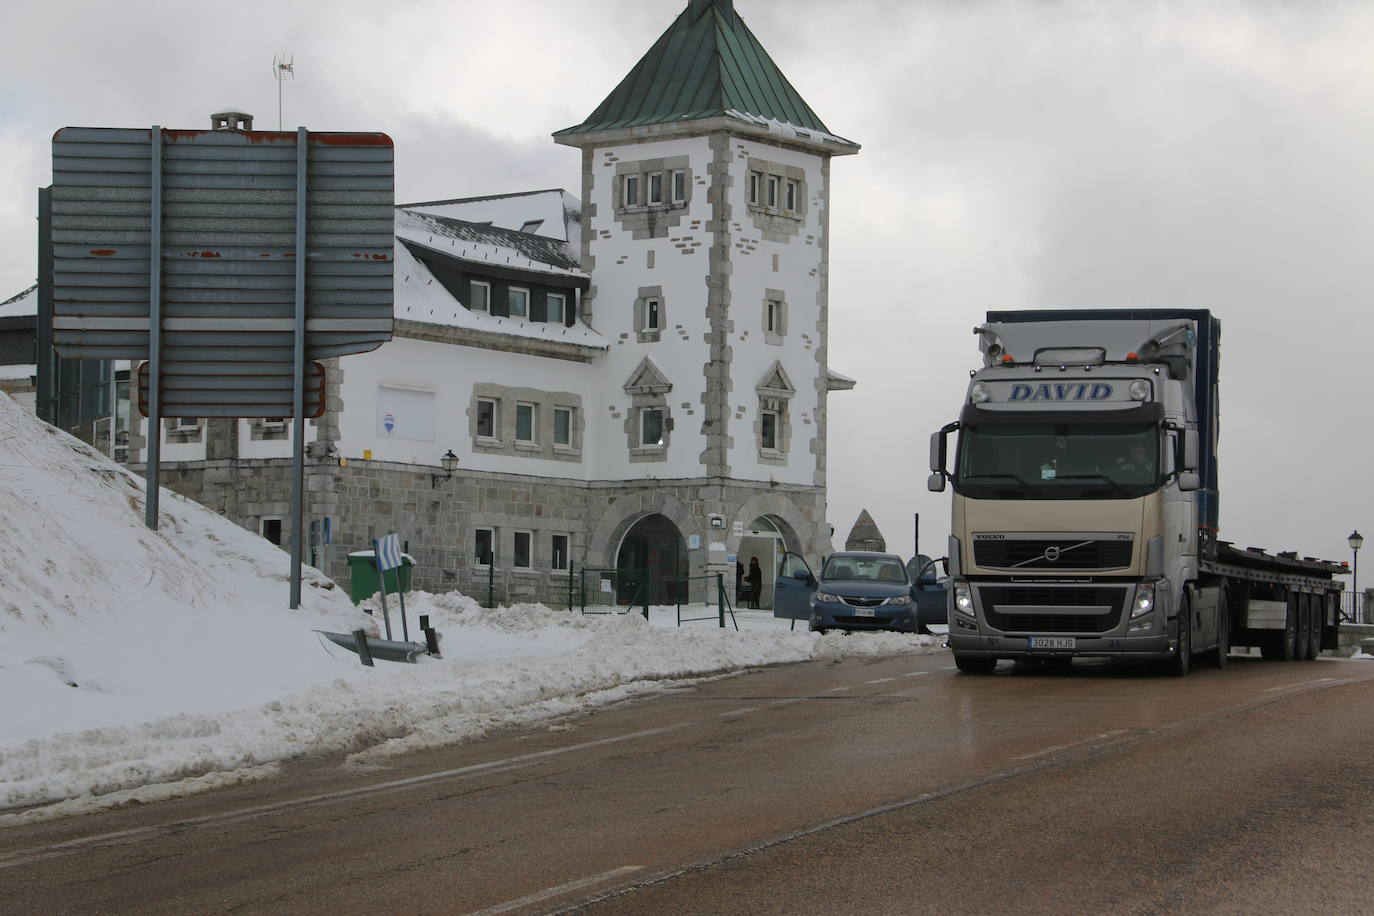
x=388 y=551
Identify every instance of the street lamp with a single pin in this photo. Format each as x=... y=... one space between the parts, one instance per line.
x=1356 y=541
x=448 y=461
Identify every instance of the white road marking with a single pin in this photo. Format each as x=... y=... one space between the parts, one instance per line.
x=556 y=891
x=739 y=712
x=838 y=689
x=1060 y=747
x=916 y=674
x=67 y=847
x=881 y=680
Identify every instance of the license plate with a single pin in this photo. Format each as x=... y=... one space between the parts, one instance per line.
x=863 y=612
x=1052 y=642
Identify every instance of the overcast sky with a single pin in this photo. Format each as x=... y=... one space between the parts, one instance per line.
x=1015 y=155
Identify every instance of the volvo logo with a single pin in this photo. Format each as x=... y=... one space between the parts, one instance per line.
x=1051 y=553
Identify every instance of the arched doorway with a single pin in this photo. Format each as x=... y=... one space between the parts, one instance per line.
x=655 y=544
x=763 y=540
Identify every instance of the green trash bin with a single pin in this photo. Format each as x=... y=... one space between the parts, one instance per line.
x=362 y=575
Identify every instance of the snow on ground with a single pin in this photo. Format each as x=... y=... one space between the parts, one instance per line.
x=139 y=664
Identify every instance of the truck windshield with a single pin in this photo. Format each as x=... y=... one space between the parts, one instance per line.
x=1027 y=460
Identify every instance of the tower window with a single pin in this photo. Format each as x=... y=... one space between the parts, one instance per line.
x=656 y=188
x=631 y=190
x=679 y=186
x=651 y=426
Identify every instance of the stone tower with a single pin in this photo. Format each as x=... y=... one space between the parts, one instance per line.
x=705 y=191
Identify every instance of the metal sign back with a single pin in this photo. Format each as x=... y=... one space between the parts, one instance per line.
x=200 y=228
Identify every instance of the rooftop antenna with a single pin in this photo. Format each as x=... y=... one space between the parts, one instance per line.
x=283 y=68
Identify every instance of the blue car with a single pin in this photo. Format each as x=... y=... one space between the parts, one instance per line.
x=860 y=590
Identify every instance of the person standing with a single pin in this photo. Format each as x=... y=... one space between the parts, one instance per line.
x=755 y=579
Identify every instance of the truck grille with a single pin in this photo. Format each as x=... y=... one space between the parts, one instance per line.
x=1053 y=609
x=1067 y=554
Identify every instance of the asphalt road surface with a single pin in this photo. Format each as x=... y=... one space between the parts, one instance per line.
x=861 y=786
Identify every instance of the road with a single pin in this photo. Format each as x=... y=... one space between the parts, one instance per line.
x=859 y=786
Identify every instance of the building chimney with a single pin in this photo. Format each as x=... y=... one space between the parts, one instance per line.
x=231 y=119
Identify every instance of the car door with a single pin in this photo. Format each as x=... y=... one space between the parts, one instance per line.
x=793 y=587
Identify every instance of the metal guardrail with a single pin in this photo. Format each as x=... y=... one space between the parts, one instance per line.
x=1353 y=610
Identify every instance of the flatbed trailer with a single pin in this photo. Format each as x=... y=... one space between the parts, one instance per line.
x=1287 y=606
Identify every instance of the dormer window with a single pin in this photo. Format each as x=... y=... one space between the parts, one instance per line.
x=479 y=296
x=557 y=308
x=519 y=300
x=531 y=226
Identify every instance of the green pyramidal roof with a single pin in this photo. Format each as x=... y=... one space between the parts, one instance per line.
x=706 y=65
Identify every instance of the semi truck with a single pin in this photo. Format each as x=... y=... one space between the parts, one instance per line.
x=1085 y=503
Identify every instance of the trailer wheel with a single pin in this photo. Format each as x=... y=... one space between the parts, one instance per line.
x=1304 y=634
x=974 y=664
x=1314 y=635
x=1280 y=646
x=1178 y=665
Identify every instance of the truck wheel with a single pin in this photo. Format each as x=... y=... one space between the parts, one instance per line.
x=973 y=664
x=1178 y=665
x=1217 y=657
x=1290 y=629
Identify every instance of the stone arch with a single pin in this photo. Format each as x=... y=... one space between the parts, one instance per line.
x=784 y=515
x=621 y=515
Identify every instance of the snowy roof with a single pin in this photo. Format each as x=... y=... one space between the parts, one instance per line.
x=25 y=303
x=421 y=297
x=489 y=244
x=553 y=213
x=18 y=370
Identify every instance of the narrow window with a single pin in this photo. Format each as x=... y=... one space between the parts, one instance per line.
x=631 y=190
x=519 y=300
x=679 y=186
x=271 y=529
x=651 y=426
x=483 y=541
x=755 y=179
x=480 y=296
x=772 y=191
x=184 y=423
x=524 y=422
x=562 y=426
x=486 y=418
x=770 y=430
x=772 y=321
x=274 y=422
x=651 y=314
x=558 y=308
x=522 y=550
x=558 y=551
x=656 y=188
x=791 y=195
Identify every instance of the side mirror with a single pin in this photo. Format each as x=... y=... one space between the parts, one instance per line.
x=936 y=483
x=802 y=575
x=1189 y=480
x=1190 y=451
x=937 y=451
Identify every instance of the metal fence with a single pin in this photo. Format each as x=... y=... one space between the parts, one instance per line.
x=1356 y=608
x=711 y=591
x=609 y=591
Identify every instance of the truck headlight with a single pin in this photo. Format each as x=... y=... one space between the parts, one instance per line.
x=827 y=598
x=979 y=392
x=1144 y=600
x=1140 y=390
x=963 y=600
x=898 y=600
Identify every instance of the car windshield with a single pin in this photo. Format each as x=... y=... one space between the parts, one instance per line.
x=1027 y=460
x=864 y=569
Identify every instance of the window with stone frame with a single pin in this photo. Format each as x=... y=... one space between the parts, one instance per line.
x=563 y=426
x=522 y=554
x=558 y=552
x=271 y=529
x=774 y=316
x=182 y=429
x=776 y=198
x=649 y=421
x=488 y=418
x=526 y=422
x=773 y=429
x=650 y=196
x=650 y=314
x=267 y=429
x=484 y=546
